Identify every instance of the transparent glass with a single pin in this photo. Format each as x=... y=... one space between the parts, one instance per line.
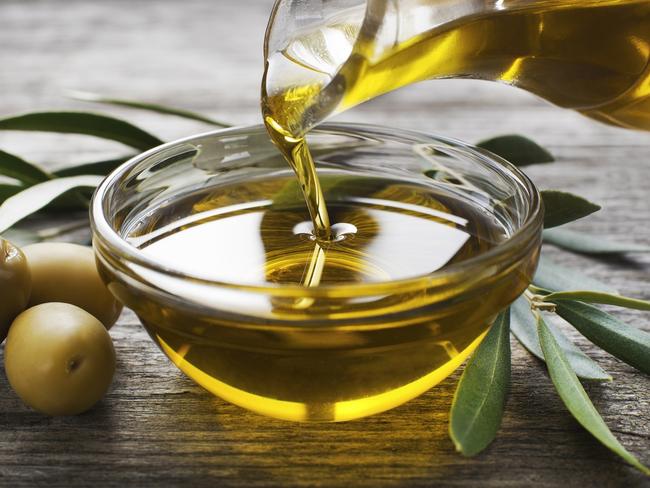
x=350 y=349
x=588 y=55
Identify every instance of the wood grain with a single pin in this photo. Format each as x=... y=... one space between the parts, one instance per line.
x=155 y=427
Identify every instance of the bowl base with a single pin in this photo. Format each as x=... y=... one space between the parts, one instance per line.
x=321 y=411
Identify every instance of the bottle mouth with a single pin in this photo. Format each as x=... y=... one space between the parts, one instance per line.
x=127 y=188
x=307 y=47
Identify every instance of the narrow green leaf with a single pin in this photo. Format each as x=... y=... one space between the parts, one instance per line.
x=575 y=398
x=561 y=278
x=7 y=191
x=31 y=174
x=84 y=123
x=598 y=297
x=518 y=150
x=19 y=169
x=34 y=198
x=21 y=237
x=151 y=107
x=588 y=243
x=101 y=168
x=480 y=397
x=562 y=207
x=72 y=201
x=627 y=343
x=524 y=327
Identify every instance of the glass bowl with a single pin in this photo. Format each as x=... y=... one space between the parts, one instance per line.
x=332 y=352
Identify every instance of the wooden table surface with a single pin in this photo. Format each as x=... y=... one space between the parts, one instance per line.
x=155 y=427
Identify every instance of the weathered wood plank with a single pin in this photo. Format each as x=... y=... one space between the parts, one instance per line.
x=156 y=427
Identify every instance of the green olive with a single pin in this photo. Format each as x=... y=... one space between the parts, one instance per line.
x=63 y=272
x=15 y=283
x=59 y=359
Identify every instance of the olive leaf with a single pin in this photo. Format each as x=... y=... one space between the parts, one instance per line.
x=627 y=343
x=85 y=123
x=151 y=107
x=589 y=244
x=21 y=237
x=32 y=199
x=517 y=149
x=524 y=327
x=19 y=169
x=575 y=398
x=477 y=408
x=598 y=297
x=561 y=207
x=551 y=276
x=101 y=168
x=7 y=191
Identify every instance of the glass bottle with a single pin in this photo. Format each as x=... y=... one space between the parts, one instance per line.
x=325 y=56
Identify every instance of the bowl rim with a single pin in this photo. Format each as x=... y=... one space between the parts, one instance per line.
x=105 y=235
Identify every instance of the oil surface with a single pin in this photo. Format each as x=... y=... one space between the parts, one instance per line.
x=341 y=357
x=591 y=56
x=389 y=230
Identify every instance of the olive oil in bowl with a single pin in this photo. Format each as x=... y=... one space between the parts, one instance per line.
x=210 y=243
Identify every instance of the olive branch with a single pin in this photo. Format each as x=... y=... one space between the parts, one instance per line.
x=479 y=401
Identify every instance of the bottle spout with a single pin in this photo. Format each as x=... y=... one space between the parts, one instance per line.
x=317 y=50
x=307 y=43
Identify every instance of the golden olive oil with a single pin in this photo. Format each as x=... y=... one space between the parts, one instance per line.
x=591 y=56
x=329 y=356
x=259 y=233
